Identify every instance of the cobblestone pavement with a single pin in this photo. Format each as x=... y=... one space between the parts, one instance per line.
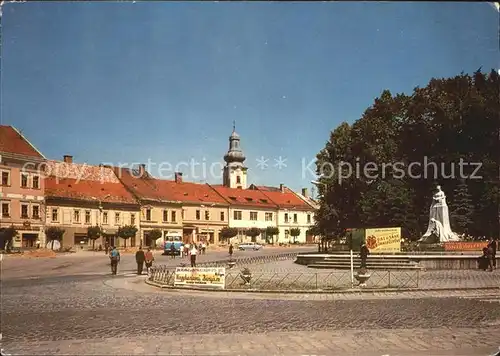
x=93 y=314
x=73 y=312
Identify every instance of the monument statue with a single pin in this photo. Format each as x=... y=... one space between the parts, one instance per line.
x=439 y=220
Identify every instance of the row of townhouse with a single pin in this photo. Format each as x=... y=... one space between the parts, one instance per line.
x=76 y=196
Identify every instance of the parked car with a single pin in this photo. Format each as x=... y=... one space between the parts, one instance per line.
x=249 y=246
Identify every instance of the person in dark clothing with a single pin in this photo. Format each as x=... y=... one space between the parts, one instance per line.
x=172 y=250
x=363 y=253
x=483 y=262
x=140 y=257
x=493 y=245
x=193 y=254
x=231 y=250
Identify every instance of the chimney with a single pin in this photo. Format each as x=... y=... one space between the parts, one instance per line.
x=282 y=187
x=142 y=170
x=304 y=192
x=68 y=159
x=178 y=177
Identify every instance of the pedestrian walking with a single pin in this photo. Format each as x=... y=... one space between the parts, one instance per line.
x=203 y=247
x=231 y=250
x=149 y=258
x=114 y=256
x=140 y=258
x=172 y=250
x=493 y=245
x=181 y=250
x=363 y=253
x=188 y=247
x=193 y=254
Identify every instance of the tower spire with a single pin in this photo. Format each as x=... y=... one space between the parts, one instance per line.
x=234 y=125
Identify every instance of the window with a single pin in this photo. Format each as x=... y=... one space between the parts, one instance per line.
x=132 y=219
x=76 y=216
x=295 y=218
x=24 y=211
x=253 y=215
x=308 y=218
x=35 y=212
x=5 y=178
x=36 y=182
x=165 y=215
x=117 y=219
x=207 y=215
x=55 y=215
x=237 y=215
x=173 y=216
x=269 y=216
x=87 y=217
x=5 y=210
x=222 y=216
x=286 y=217
x=148 y=214
x=198 y=215
x=238 y=179
x=105 y=217
x=24 y=180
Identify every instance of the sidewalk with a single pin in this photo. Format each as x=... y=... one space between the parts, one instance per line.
x=390 y=342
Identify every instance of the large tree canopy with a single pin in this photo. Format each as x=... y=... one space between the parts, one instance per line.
x=403 y=146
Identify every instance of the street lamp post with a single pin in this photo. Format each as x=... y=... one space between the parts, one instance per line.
x=99 y=222
x=350 y=244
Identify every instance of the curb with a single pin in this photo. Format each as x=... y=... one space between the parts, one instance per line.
x=316 y=291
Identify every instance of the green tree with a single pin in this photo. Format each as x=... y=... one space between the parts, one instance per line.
x=154 y=235
x=128 y=231
x=54 y=233
x=272 y=231
x=6 y=237
x=228 y=233
x=253 y=233
x=449 y=120
x=462 y=208
x=295 y=232
x=93 y=233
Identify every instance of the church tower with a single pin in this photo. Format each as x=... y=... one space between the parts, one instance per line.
x=235 y=173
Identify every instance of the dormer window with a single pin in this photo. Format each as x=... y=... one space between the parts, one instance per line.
x=263 y=201
x=185 y=194
x=232 y=198
x=249 y=199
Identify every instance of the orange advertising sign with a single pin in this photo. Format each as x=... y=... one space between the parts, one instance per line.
x=465 y=246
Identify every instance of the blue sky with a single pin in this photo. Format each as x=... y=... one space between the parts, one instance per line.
x=131 y=82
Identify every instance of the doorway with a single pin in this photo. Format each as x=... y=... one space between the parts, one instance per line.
x=29 y=240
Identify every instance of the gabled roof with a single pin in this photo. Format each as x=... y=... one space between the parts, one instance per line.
x=12 y=141
x=161 y=190
x=244 y=197
x=87 y=190
x=286 y=199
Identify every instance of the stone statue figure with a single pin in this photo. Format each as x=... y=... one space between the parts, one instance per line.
x=439 y=220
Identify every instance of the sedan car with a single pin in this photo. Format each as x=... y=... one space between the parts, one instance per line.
x=249 y=246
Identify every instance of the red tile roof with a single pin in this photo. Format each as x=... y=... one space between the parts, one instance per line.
x=80 y=171
x=150 y=188
x=286 y=199
x=86 y=190
x=244 y=197
x=12 y=141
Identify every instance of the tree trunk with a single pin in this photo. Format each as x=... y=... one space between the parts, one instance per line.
x=93 y=244
x=125 y=243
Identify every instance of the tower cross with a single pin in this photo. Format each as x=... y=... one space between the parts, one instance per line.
x=234 y=125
